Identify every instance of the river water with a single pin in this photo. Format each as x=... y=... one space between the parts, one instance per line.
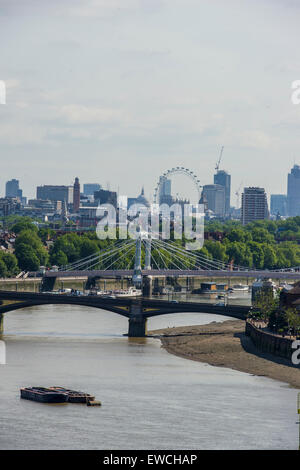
x=151 y=399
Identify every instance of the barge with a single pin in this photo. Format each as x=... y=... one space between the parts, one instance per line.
x=73 y=395
x=44 y=395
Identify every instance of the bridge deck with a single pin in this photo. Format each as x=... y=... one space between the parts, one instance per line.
x=176 y=273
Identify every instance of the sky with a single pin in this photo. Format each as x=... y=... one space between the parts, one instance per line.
x=118 y=91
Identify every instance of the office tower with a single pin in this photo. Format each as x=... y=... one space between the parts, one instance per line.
x=224 y=179
x=214 y=194
x=90 y=188
x=165 y=196
x=55 y=193
x=278 y=204
x=254 y=205
x=12 y=188
x=293 y=192
x=76 y=195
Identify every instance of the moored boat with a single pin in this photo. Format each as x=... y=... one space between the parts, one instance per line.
x=240 y=287
x=73 y=395
x=44 y=395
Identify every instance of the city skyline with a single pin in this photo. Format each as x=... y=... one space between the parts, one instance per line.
x=149 y=101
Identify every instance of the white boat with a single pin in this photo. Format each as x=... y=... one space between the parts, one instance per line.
x=131 y=292
x=240 y=287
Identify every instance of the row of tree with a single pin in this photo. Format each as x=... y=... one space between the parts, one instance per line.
x=255 y=245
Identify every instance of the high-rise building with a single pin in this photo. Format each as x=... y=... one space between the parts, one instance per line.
x=254 y=205
x=90 y=188
x=12 y=188
x=224 y=179
x=278 y=204
x=55 y=193
x=76 y=195
x=215 y=197
x=165 y=196
x=293 y=191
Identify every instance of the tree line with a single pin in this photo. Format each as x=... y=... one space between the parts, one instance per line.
x=260 y=245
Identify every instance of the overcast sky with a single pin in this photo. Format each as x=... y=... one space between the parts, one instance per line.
x=121 y=90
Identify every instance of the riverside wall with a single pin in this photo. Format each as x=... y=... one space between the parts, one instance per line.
x=268 y=342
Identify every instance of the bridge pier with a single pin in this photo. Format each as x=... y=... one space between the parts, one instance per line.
x=147 y=286
x=1 y=324
x=137 y=327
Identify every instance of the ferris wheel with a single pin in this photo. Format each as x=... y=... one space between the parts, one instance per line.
x=175 y=171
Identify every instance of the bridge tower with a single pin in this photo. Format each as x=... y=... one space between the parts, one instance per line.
x=148 y=253
x=137 y=272
x=147 y=280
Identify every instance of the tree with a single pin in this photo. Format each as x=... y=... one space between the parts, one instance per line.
x=10 y=262
x=25 y=223
x=28 y=240
x=88 y=247
x=293 y=319
x=270 y=257
x=238 y=234
x=261 y=235
x=266 y=303
x=59 y=258
x=240 y=254
x=217 y=250
x=257 y=254
x=27 y=258
x=3 y=269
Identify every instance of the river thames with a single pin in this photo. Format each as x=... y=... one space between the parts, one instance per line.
x=150 y=399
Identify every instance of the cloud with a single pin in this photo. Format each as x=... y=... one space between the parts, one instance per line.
x=92 y=8
x=77 y=114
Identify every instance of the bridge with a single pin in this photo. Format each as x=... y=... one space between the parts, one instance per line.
x=161 y=259
x=124 y=259
x=136 y=310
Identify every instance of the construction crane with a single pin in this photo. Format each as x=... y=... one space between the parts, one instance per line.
x=237 y=193
x=219 y=161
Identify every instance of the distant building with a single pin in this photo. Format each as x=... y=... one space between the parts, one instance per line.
x=45 y=205
x=293 y=192
x=12 y=189
x=140 y=200
x=9 y=206
x=55 y=193
x=214 y=196
x=106 y=197
x=90 y=188
x=76 y=195
x=165 y=196
x=278 y=204
x=222 y=178
x=254 y=205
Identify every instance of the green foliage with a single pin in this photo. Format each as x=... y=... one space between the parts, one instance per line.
x=293 y=319
x=25 y=223
x=30 y=251
x=10 y=262
x=3 y=269
x=266 y=303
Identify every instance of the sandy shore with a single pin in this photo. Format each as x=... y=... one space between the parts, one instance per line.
x=225 y=345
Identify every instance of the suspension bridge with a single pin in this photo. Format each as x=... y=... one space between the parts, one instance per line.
x=141 y=260
x=145 y=258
